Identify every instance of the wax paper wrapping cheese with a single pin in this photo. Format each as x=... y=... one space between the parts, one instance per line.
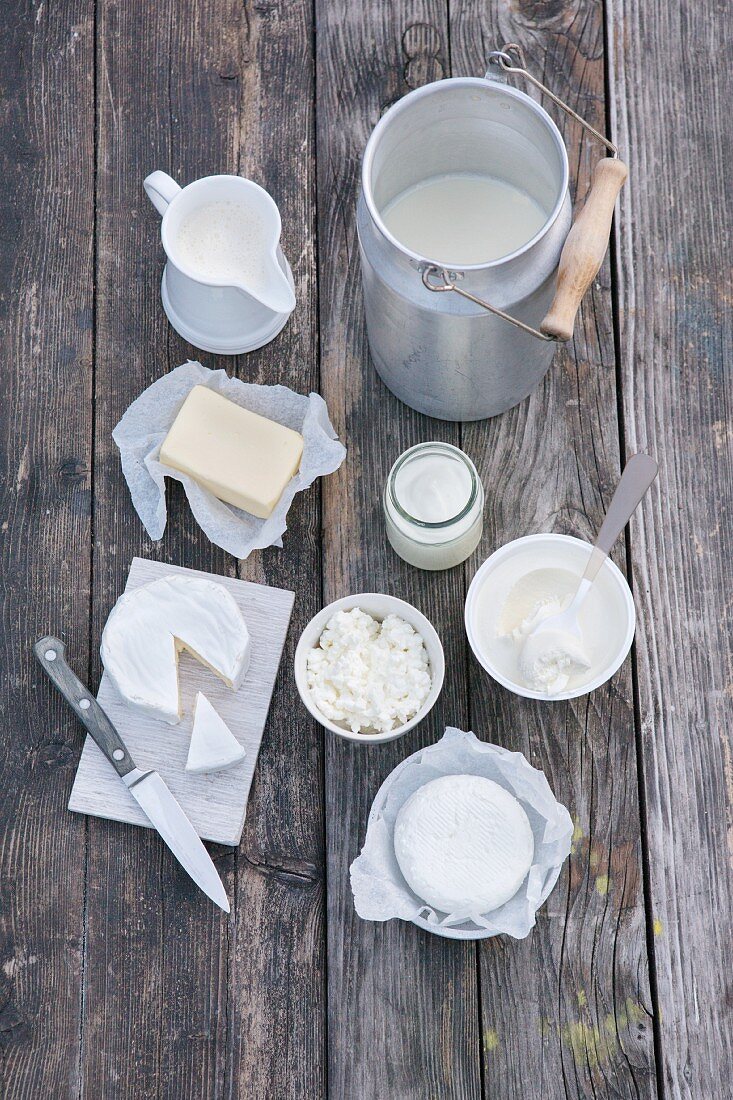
x=144 y=426
x=380 y=891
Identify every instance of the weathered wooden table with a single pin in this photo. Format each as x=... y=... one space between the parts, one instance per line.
x=117 y=978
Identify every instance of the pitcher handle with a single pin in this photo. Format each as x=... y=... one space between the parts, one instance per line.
x=161 y=189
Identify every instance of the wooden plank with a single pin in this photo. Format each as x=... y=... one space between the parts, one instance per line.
x=277 y=985
x=402 y=1003
x=583 y=1024
x=675 y=290
x=215 y=804
x=158 y=953
x=219 y=87
x=46 y=308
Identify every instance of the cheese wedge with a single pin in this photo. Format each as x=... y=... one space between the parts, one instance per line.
x=242 y=458
x=463 y=844
x=213 y=746
x=149 y=627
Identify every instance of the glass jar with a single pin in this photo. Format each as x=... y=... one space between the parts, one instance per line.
x=434 y=506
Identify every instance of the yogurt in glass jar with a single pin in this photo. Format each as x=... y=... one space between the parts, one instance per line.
x=434 y=506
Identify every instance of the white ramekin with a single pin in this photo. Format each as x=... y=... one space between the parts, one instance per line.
x=619 y=587
x=378 y=606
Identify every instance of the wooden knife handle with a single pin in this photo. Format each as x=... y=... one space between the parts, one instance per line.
x=51 y=653
x=584 y=248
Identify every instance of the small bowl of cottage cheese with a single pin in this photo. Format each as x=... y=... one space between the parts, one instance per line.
x=369 y=667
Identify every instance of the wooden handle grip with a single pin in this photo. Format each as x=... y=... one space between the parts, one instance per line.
x=584 y=248
x=51 y=652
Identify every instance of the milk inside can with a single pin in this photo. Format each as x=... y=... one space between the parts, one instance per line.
x=471 y=272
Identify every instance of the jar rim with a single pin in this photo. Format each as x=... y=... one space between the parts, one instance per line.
x=444 y=524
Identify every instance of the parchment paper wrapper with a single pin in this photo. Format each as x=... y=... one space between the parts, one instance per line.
x=380 y=891
x=144 y=426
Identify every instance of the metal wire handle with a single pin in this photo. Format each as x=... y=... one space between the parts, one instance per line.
x=448 y=285
x=504 y=60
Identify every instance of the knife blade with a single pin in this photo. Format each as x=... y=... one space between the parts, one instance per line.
x=146 y=787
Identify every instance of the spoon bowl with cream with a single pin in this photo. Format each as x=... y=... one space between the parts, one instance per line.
x=553 y=647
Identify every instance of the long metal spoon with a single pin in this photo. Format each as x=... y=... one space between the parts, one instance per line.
x=639 y=473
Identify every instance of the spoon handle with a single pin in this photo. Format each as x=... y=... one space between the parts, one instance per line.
x=639 y=473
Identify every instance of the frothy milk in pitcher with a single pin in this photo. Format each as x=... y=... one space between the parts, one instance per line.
x=463 y=218
x=225 y=240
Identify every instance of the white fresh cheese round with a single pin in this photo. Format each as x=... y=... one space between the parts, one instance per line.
x=463 y=844
x=148 y=627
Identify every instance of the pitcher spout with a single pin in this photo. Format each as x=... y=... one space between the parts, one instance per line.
x=274 y=290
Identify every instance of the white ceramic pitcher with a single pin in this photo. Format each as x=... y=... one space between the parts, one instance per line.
x=219 y=315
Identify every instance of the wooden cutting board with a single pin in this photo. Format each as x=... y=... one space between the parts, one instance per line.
x=215 y=803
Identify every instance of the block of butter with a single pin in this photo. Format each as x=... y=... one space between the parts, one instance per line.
x=242 y=458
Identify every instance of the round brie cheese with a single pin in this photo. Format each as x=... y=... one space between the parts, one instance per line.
x=148 y=627
x=463 y=844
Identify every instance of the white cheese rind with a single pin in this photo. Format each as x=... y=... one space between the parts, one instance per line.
x=148 y=627
x=463 y=844
x=213 y=745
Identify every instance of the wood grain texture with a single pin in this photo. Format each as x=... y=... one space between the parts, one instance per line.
x=155 y=1022
x=675 y=294
x=583 y=1026
x=117 y=979
x=277 y=983
x=402 y=1004
x=214 y=804
x=46 y=303
x=215 y=87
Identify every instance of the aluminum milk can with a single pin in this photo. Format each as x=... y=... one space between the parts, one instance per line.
x=468 y=344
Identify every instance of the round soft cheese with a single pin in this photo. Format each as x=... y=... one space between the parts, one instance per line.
x=148 y=627
x=463 y=844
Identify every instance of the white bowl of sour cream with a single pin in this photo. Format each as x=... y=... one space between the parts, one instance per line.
x=540 y=573
x=379 y=606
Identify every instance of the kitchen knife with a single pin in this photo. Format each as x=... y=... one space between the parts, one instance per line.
x=146 y=787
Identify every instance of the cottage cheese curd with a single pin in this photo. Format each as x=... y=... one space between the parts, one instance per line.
x=367 y=675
